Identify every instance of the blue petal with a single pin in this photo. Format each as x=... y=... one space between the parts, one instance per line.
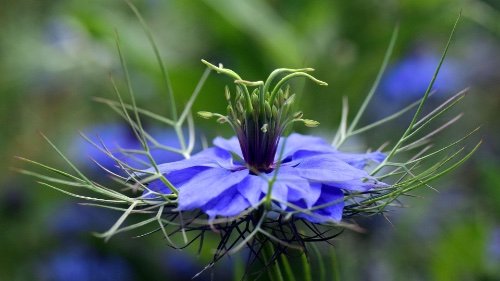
x=333 y=198
x=229 y=204
x=251 y=188
x=298 y=188
x=208 y=185
x=231 y=145
x=288 y=187
x=181 y=171
x=279 y=192
x=360 y=160
x=328 y=169
x=176 y=178
x=211 y=157
x=296 y=143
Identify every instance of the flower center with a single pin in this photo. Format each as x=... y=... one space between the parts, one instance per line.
x=259 y=117
x=259 y=135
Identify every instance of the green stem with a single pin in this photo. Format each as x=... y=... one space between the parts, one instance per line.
x=238 y=268
x=288 y=268
x=321 y=264
x=307 y=268
x=335 y=265
x=274 y=270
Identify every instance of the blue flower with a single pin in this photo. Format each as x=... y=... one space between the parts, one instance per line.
x=409 y=78
x=69 y=220
x=179 y=264
x=494 y=245
x=312 y=175
x=81 y=263
x=115 y=137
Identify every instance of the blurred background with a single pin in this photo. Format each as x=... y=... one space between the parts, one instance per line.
x=56 y=56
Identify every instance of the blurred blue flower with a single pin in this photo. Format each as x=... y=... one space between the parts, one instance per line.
x=70 y=219
x=178 y=265
x=311 y=173
x=115 y=136
x=80 y=263
x=70 y=43
x=408 y=79
x=494 y=246
x=60 y=34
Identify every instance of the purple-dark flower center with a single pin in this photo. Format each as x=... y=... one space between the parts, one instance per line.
x=258 y=147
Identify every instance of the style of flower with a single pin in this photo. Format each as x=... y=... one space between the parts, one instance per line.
x=300 y=175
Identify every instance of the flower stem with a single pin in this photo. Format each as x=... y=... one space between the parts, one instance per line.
x=273 y=269
x=335 y=265
x=307 y=267
x=288 y=268
x=321 y=264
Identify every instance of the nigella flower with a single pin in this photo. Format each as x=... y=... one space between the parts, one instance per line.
x=259 y=166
